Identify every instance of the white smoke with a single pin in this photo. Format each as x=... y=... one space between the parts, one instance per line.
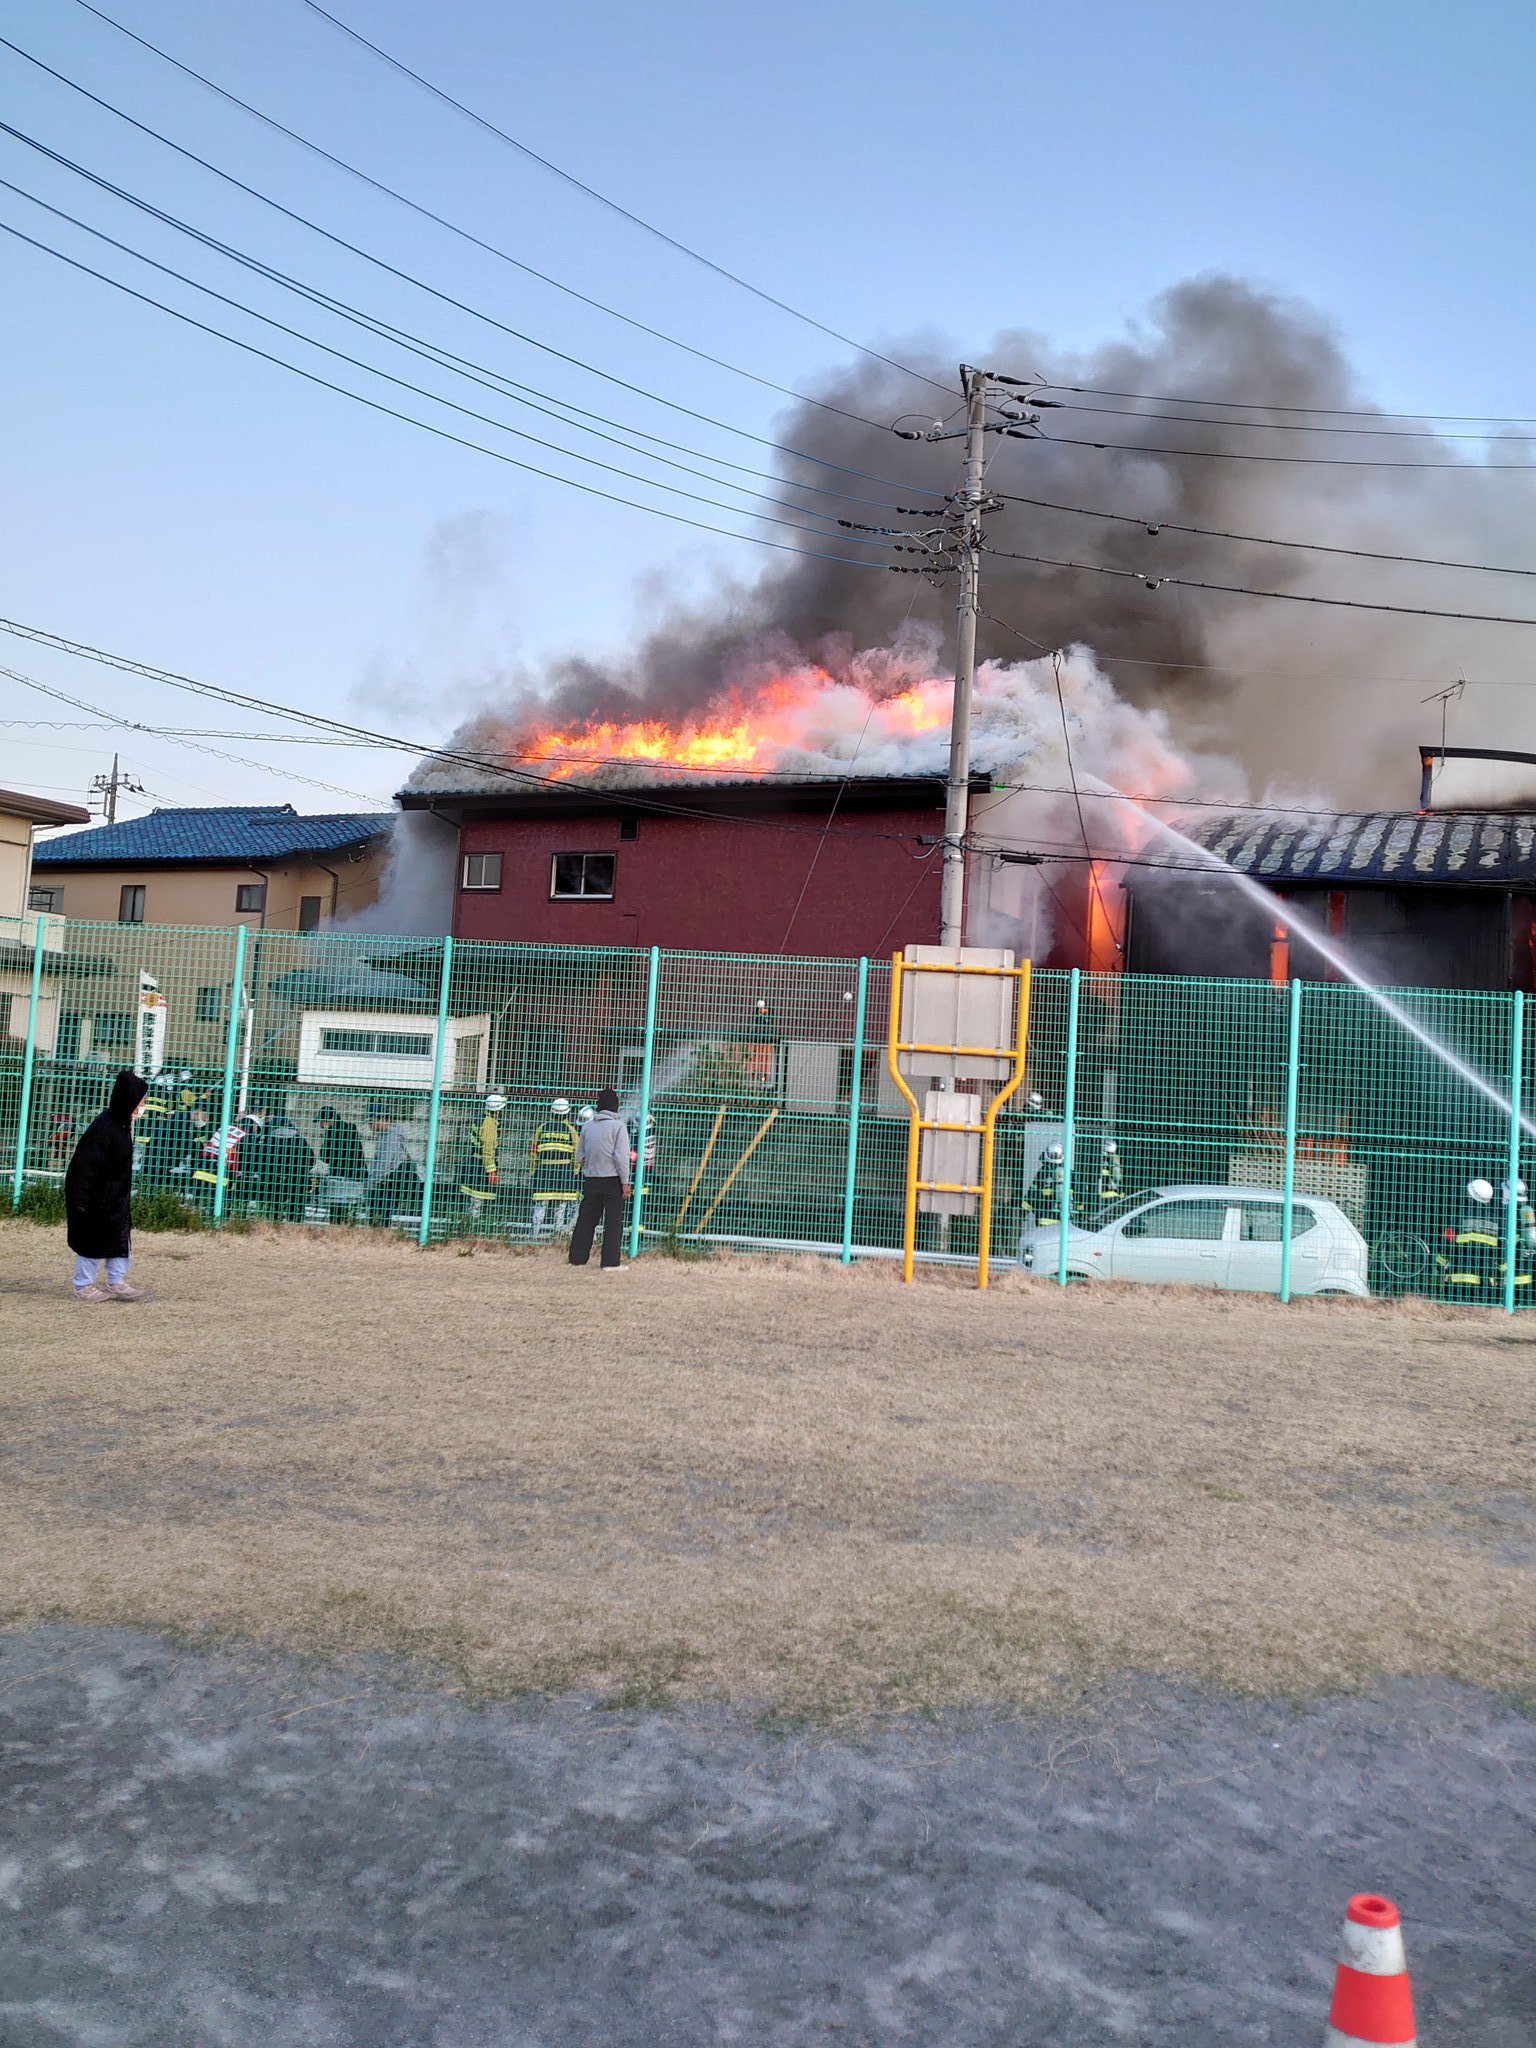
x=416 y=893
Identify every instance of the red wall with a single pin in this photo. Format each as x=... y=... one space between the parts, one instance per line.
x=717 y=884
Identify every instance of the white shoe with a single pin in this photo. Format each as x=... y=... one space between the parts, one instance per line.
x=123 y=1292
x=92 y=1294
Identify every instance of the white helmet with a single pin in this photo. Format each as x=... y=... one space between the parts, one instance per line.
x=585 y=1114
x=1110 y=1148
x=495 y=1102
x=1057 y=1153
x=1480 y=1190
x=559 y=1107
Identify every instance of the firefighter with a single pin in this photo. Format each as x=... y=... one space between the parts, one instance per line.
x=1047 y=1187
x=173 y=1145
x=1111 y=1175
x=556 y=1181
x=481 y=1177
x=1468 y=1262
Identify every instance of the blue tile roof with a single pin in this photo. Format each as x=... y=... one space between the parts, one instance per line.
x=232 y=832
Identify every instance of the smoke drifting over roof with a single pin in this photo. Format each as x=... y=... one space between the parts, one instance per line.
x=1277 y=686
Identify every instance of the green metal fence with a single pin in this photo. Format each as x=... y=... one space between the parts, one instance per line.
x=338 y=1079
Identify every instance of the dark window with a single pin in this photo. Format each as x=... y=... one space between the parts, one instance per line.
x=402 y=1045
x=1262 y=1222
x=5 y=1017
x=629 y=828
x=582 y=874
x=1187 y=1221
x=51 y=900
x=251 y=896
x=130 y=904
x=309 y=913
x=482 y=871
x=210 y=1005
x=869 y=1078
x=115 y=1027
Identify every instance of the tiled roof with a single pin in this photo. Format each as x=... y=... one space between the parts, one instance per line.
x=1379 y=846
x=232 y=832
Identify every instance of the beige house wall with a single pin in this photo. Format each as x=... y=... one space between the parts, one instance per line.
x=206 y=895
x=15 y=863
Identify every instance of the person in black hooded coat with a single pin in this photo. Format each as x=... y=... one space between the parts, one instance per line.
x=98 y=1195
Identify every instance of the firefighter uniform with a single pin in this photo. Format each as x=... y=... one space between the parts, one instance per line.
x=479 y=1184
x=1111 y=1176
x=556 y=1178
x=1470 y=1263
x=1045 y=1192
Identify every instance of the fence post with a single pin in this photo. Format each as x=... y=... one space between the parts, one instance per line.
x=437 y=1091
x=1288 y=1193
x=638 y=1196
x=1512 y=1172
x=24 y=1112
x=1068 y=1127
x=226 y=1099
x=855 y=1089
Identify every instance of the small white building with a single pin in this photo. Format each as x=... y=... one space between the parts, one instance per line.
x=391 y=1049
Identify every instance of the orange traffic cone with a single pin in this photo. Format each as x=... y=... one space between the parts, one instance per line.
x=1372 y=1998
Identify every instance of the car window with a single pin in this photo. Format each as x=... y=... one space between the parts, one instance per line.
x=1206 y=1221
x=1263 y=1222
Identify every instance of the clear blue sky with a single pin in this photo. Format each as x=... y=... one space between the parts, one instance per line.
x=892 y=168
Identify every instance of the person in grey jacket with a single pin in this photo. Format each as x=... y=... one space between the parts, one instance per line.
x=603 y=1156
x=393 y=1182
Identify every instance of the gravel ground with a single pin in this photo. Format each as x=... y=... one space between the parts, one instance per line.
x=230 y=1849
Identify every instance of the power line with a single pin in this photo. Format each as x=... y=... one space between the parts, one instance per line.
x=409 y=419
x=481 y=764
x=408 y=277
x=1337 y=412
x=602 y=199
x=1187 y=419
x=1313 y=461
x=439 y=357
x=155 y=732
x=439 y=220
x=1153 y=526
x=1356 y=604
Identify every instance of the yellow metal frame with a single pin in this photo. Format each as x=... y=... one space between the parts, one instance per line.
x=895 y=1045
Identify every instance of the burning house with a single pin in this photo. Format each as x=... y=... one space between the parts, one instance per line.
x=804 y=816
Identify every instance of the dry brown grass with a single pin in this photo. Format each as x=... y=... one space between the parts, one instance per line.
x=769 y=1481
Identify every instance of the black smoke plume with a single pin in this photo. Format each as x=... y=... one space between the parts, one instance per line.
x=1328 y=698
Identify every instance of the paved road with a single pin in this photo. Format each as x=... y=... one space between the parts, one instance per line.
x=232 y=1851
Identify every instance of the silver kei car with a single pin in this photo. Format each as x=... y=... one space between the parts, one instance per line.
x=1208 y=1237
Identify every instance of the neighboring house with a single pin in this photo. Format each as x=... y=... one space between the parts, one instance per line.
x=20 y=817
x=1443 y=899
x=263 y=865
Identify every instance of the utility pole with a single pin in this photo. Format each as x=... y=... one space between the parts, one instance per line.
x=958 y=790
x=107 y=787
x=953 y=546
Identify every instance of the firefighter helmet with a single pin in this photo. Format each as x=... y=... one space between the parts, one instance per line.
x=1056 y=1153
x=585 y=1114
x=1110 y=1148
x=1480 y=1190
x=559 y=1107
x=495 y=1103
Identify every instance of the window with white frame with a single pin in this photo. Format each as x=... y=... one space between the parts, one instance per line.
x=482 y=871
x=587 y=875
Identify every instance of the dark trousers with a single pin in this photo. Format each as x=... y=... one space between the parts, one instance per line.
x=602 y=1197
x=400 y=1190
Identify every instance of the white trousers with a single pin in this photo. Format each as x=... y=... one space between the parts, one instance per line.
x=87 y=1269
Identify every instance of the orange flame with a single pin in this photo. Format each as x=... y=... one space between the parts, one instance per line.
x=805 y=713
